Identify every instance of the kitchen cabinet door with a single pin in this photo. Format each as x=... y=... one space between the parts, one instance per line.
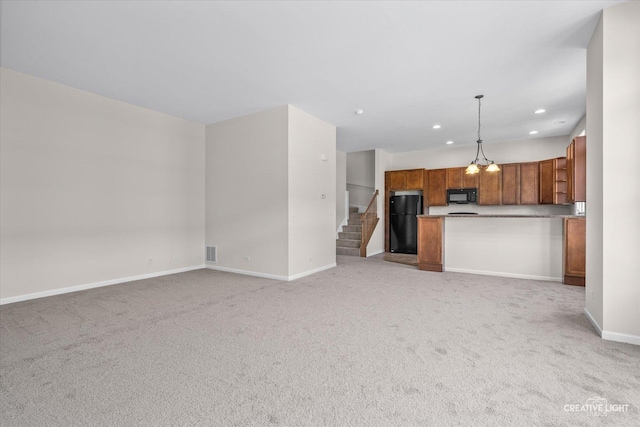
x=490 y=187
x=414 y=180
x=577 y=170
x=397 y=180
x=437 y=187
x=547 y=180
x=575 y=241
x=529 y=183
x=457 y=178
x=454 y=178
x=430 y=243
x=511 y=184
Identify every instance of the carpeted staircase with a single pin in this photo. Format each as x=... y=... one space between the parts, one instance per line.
x=350 y=237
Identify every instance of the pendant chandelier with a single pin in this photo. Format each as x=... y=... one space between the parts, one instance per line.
x=474 y=166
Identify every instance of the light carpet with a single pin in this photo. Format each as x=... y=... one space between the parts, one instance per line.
x=368 y=343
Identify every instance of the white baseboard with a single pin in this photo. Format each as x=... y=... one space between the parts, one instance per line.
x=626 y=338
x=612 y=336
x=374 y=252
x=267 y=275
x=502 y=274
x=593 y=321
x=77 y=288
x=310 y=272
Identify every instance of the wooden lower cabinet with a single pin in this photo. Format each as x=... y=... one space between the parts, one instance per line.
x=430 y=243
x=574 y=254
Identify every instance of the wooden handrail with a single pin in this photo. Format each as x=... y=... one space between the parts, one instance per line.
x=369 y=219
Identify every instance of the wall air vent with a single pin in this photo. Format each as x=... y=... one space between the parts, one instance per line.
x=212 y=254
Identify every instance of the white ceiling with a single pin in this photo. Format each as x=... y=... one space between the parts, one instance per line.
x=408 y=65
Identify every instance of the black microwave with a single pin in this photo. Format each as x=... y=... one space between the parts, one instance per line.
x=462 y=195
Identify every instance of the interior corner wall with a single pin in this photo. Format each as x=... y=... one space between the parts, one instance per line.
x=382 y=164
x=341 y=188
x=92 y=188
x=246 y=193
x=621 y=175
x=594 y=272
x=312 y=193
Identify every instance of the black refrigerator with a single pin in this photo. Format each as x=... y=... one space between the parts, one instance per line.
x=403 y=224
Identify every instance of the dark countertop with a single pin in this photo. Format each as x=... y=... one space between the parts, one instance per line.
x=502 y=216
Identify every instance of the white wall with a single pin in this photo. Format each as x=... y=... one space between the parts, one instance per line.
x=512 y=247
x=91 y=188
x=500 y=152
x=361 y=168
x=341 y=187
x=621 y=136
x=361 y=178
x=594 y=272
x=246 y=192
x=613 y=177
x=312 y=193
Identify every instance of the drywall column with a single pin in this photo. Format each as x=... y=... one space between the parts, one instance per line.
x=312 y=193
x=271 y=194
x=246 y=193
x=613 y=178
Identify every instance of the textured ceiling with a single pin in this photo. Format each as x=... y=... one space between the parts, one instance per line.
x=408 y=65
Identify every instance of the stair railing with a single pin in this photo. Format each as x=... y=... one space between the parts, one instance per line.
x=369 y=220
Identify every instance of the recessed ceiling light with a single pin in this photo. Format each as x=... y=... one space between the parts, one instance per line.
x=533 y=132
x=540 y=111
x=449 y=142
x=359 y=112
x=436 y=126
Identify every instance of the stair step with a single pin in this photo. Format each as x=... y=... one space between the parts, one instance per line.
x=355 y=215
x=348 y=251
x=352 y=228
x=350 y=236
x=353 y=209
x=346 y=243
x=354 y=222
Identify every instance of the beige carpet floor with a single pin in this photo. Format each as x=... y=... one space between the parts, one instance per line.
x=368 y=343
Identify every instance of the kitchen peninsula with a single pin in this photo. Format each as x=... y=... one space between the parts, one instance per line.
x=543 y=247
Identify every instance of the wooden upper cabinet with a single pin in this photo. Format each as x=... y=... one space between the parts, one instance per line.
x=511 y=184
x=415 y=180
x=529 y=183
x=547 y=179
x=577 y=170
x=437 y=187
x=457 y=178
x=560 y=183
x=396 y=180
x=405 y=180
x=553 y=181
x=490 y=187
